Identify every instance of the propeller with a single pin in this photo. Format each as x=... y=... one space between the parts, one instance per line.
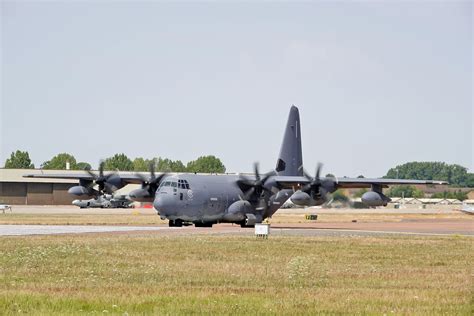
x=317 y=188
x=101 y=180
x=152 y=183
x=254 y=190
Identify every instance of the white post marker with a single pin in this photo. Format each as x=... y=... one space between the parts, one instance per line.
x=262 y=230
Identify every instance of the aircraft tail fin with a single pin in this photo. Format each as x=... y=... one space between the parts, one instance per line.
x=290 y=160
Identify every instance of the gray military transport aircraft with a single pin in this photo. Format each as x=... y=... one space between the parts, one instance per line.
x=105 y=201
x=204 y=200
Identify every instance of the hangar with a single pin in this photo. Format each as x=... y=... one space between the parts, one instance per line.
x=17 y=190
x=14 y=189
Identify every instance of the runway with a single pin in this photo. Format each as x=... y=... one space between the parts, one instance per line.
x=24 y=230
x=410 y=227
x=53 y=220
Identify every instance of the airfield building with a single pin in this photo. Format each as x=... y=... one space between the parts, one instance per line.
x=17 y=190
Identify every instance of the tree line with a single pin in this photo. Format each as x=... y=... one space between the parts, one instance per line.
x=455 y=174
x=203 y=164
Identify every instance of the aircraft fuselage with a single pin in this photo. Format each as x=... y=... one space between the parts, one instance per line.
x=206 y=199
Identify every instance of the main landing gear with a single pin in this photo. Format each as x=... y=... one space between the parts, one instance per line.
x=203 y=224
x=176 y=223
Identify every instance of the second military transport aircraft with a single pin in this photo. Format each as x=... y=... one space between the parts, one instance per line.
x=204 y=200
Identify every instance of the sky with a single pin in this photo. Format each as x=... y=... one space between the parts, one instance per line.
x=378 y=83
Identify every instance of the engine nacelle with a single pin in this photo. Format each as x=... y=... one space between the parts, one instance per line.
x=140 y=195
x=372 y=198
x=237 y=210
x=301 y=198
x=79 y=190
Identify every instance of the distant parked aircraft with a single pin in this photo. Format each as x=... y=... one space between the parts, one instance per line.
x=105 y=201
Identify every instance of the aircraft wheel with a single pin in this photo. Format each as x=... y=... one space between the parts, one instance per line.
x=176 y=223
x=247 y=226
x=203 y=224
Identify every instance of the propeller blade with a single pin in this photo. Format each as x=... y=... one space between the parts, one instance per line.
x=268 y=175
x=248 y=194
x=152 y=171
x=254 y=189
x=158 y=179
x=93 y=175
x=255 y=168
x=101 y=168
x=142 y=177
x=307 y=175
x=318 y=170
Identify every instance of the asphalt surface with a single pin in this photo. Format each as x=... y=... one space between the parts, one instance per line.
x=456 y=225
x=70 y=209
x=418 y=227
x=22 y=230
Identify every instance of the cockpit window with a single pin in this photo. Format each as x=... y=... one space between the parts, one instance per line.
x=174 y=184
x=167 y=184
x=183 y=184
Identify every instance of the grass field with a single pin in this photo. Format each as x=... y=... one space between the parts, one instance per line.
x=155 y=274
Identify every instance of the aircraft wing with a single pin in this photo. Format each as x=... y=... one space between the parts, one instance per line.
x=367 y=182
x=291 y=181
x=126 y=178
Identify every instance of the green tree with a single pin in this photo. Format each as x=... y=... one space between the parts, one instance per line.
x=83 y=166
x=459 y=195
x=118 y=162
x=59 y=161
x=455 y=174
x=470 y=180
x=141 y=164
x=19 y=160
x=168 y=165
x=206 y=164
x=407 y=191
x=360 y=176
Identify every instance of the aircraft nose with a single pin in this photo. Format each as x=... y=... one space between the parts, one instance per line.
x=163 y=203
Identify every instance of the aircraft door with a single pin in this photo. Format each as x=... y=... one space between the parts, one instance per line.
x=216 y=202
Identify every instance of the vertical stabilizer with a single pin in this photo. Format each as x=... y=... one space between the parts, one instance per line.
x=290 y=161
